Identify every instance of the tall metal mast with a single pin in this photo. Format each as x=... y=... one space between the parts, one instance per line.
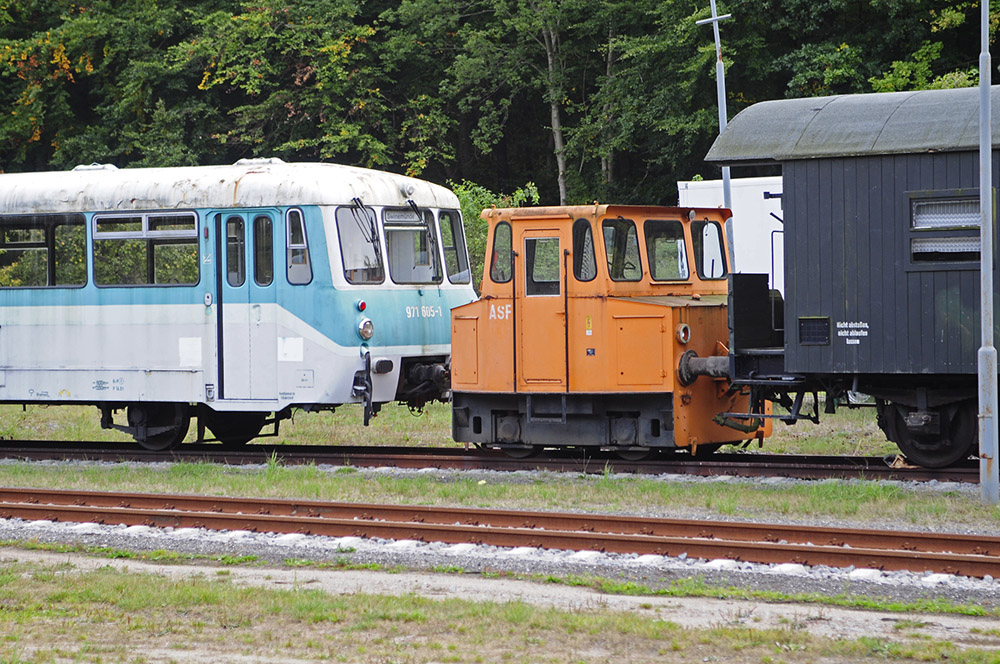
x=988 y=480
x=720 y=82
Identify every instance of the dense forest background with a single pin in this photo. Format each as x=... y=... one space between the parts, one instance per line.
x=611 y=100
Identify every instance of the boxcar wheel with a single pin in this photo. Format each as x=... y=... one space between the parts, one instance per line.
x=957 y=440
x=235 y=429
x=156 y=416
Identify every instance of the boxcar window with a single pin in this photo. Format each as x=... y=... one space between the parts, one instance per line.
x=584 y=261
x=411 y=245
x=456 y=260
x=666 y=250
x=621 y=244
x=706 y=238
x=263 y=250
x=297 y=249
x=236 y=272
x=944 y=230
x=541 y=266
x=500 y=261
x=146 y=249
x=360 y=247
x=42 y=251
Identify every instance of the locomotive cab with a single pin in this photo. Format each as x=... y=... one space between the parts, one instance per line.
x=585 y=315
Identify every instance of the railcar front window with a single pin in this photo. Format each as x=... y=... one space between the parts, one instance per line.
x=42 y=251
x=666 y=250
x=411 y=245
x=146 y=249
x=502 y=258
x=297 y=251
x=621 y=244
x=456 y=259
x=360 y=247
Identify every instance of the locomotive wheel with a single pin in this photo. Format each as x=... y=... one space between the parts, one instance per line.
x=957 y=440
x=157 y=415
x=235 y=429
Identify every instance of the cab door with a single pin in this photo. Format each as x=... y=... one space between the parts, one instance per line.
x=540 y=311
x=247 y=312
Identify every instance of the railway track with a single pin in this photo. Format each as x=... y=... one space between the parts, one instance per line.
x=576 y=461
x=967 y=555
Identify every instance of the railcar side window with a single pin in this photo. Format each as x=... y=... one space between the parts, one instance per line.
x=541 y=266
x=146 y=249
x=236 y=270
x=297 y=258
x=666 y=250
x=944 y=230
x=411 y=244
x=584 y=261
x=42 y=251
x=456 y=260
x=621 y=244
x=360 y=246
x=706 y=238
x=502 y=258
x=263 y=250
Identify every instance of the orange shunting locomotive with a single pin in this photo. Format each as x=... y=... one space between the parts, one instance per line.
x=599 y=326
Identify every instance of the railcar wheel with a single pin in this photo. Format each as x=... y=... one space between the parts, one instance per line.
x=957 y=440
x=633 y=453
x=519 y=451
x=175 y=416
x=235 y=429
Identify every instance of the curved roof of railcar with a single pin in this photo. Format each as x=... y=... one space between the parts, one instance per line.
x=854 y=125
x=247 y=183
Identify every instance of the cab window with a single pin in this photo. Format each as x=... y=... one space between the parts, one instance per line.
x=541 y=266
x=666 y=250
x=456 y=259
x=621 y=244
x=411 y=246
x=584 y=261
x=360 y=249
x=709 y=260
x=500 y=261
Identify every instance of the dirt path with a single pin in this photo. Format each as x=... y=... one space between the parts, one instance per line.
x=687 y=612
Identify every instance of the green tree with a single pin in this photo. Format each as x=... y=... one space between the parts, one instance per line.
x=474 y=199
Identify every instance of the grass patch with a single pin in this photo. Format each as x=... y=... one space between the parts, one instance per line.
x=56 y=613
x=698 y=587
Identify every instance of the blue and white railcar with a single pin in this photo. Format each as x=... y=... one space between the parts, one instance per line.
x=226 y=292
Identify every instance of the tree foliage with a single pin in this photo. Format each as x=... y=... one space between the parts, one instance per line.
x=590 y=99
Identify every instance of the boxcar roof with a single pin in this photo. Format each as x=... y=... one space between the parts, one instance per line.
x=854 y=125
x=247 y=183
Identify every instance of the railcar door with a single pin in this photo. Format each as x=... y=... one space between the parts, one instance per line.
x=246 y=309
x=540 y=310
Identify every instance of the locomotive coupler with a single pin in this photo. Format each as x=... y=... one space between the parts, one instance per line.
x=363 y=387
x=691 y=366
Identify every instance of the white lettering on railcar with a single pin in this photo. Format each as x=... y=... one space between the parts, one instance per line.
x=503 y=312
x=424 y=311
x=852 y=331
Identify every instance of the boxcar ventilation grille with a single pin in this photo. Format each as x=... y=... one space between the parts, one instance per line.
x=814 y=331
